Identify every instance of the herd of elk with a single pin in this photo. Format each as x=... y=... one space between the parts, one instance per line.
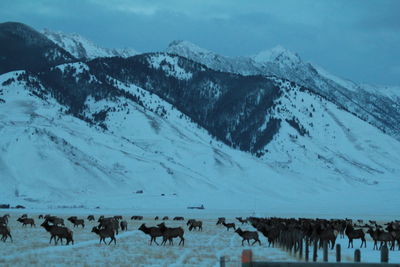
x=317 y=231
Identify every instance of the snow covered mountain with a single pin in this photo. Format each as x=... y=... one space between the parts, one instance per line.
x=377 y=105
x=22 y=47
x=94 y=132
x=82 y=48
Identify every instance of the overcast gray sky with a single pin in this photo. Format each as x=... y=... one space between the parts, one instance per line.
x=358 y=40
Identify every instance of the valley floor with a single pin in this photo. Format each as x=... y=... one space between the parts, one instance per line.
x=31 y=248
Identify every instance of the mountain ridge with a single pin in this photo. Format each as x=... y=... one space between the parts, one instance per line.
x=83 y=48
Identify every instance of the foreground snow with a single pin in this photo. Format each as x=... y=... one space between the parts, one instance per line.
x=30 y=246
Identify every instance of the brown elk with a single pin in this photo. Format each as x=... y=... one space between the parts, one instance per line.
x=248 y=235
x=5 y=233
x=154 y=232
x=170 y=233
x=124 y=225
x=104 y=233
x=351 y=234
x=229 y=226
x=195 y=225
x=76 y=222
x=25 y=221
x=58 y=233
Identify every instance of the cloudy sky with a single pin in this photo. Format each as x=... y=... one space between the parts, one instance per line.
x=354 y=39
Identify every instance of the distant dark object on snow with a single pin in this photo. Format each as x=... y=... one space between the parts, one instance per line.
x=198 y=208
x=19 y=207
x=4 y=206
x=162 y=194
x=139 y=192
x=97 y=207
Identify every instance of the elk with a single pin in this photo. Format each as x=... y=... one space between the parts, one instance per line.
x=136 y=217
x=90 y=218
x=270 y=232
x=76 y=222
x=229 y=225
x=124 y=225
x=248 y=235
x=154 y=232
x=110 y=222
x=5 y=233
x=104 y=233
x=178 y=218
x=196 y=225
x=25 y=221
x=221 y=220
x=58 y=233
x=170 y=233
x=326 y=235
x=4 y=219
x=379 y=235
x=355 y=234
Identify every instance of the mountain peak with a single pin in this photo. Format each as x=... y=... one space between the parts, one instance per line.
x=22 y=47
x=26 y=33
x=278 y=54
x=83 y=48
x=182 y=47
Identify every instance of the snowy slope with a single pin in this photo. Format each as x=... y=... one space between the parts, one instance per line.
x=49 y=158
x=82 y=48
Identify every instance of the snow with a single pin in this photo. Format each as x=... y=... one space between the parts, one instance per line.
x=80 y=67
x=202 y=248
x=81 y=47
x=170 y=65
x=186 y=48
x=279 y=55
x=76 y=68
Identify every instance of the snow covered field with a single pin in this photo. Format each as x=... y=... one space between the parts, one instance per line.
x=30 y=246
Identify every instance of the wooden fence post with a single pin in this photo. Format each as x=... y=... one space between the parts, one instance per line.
x=307 y=249
x=315 y=255
x=384 y=254
x=222 y=261
x=357 y=255
x=325 y=256
x=247 y=258
x=338 y=253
